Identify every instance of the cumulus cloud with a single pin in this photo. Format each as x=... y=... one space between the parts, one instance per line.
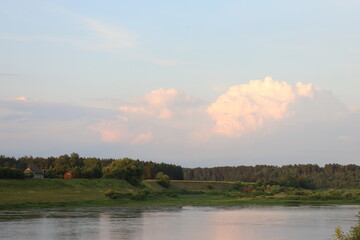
x=242 y=109
x=305 y=90
x=160 y=114
x=245 y=108
x=301 y=121
x=163 y=104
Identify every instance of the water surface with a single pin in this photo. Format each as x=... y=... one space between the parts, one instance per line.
x=185 y=223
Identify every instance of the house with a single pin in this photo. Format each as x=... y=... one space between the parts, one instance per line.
x=68 y=175
x=34 y=171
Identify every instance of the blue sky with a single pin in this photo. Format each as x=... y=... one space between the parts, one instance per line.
x=116 y=78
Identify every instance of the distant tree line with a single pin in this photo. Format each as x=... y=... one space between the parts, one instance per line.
x=299 y=175
x=56 y=167
x=308 y=176
x=13 y=173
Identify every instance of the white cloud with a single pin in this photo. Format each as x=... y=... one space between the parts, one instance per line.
x=301 y=122
x=305 y=90
x=246 y=107
x=241 y=110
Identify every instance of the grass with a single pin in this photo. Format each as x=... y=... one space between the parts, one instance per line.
x=58 y=192
x=42 y=193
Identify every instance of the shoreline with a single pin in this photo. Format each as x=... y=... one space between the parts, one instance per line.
x=50 y=193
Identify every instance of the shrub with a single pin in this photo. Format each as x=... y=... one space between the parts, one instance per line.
x=169 y=193
x=237 y=186
x=141 y=196
x=353 y=234
x=210 y=187
x=118 y=195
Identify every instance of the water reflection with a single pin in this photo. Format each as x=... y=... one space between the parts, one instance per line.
x=246 y=223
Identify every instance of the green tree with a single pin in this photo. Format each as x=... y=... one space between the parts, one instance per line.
x=163 y=179
x=91 y=168
x=126 y=169
x=66 y=163
x=11 y=173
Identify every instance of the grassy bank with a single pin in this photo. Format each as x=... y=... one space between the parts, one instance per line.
x=39 y=193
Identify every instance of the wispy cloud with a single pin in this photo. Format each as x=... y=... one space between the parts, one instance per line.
x=106 y=38
x=109 y=37
x=102 y=37
x=39 y=111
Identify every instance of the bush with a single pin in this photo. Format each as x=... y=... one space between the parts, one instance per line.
x=169 y=193
x=215 y=193
x=141 y=196
x=118 y=195
x=237 y=186
x=109 y=193
x=234 y=195
x=354 y=233
x=187 y=192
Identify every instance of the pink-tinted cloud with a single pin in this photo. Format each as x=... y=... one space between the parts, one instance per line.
x=302 y=122
x=22 y=98
x=142 y=138
x=163 y=104
x=242 y=109
x=111 y=131
x=156 y=115
x=247 y=107
x=305 y=90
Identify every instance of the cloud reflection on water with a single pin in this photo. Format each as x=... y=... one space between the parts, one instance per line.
x=183 y=223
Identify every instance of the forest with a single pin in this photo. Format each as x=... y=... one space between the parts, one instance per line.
x=307 y=176
x=55 y=167
x=300 y=175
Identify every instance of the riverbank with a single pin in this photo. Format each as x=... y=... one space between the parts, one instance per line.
x=45 y=193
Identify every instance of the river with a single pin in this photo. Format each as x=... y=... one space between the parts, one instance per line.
x=177 y=223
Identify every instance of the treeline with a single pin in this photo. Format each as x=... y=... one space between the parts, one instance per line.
x=56 y=167
x=331 y=175
x=13 y=173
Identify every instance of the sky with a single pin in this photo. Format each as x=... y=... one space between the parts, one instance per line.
x=194 y=83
